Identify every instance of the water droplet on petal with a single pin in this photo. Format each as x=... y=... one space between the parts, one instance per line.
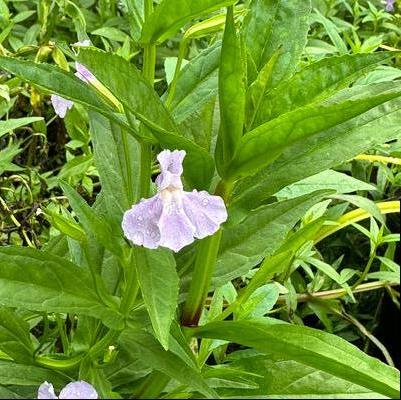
x=205 y=202
x=137 y=237
x=140 y=218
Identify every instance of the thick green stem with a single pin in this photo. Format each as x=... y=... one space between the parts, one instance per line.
x=204 y=268
x=201 y=279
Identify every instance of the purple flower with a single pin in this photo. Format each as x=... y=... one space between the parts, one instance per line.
x=173 y=218
x=84 y=74
x=74 y=390
x=61 y=105
x=390 y=5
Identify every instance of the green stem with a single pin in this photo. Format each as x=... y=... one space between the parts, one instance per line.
x=173 y=85
x=201 y=279
x=63 y=335
x=366 y=270
x=204 y=268
x=61 y=365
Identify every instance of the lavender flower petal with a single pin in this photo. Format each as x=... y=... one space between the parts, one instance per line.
x=390 y=5
x=171 y=169
x=173 y=218
x=46 y=391
x=61 y=105
x=176 y=230
x=206 y=212
x=78 y=390
x=83 y=73
x=140 y=223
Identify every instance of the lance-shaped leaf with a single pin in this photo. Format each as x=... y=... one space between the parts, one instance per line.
x=197 y=83
x=40 y=281
x=231 y=94
x=271 y=25
x=145 y=347
x=314 y=348
x=9 y=125
x=63 y=83
x=265 y=143
x=129 y=86
x=320 y=152
x=117 y=160
x=158 y=280
x=170 y=15
x=244 y=245
x=317 y=82
x=15 y=339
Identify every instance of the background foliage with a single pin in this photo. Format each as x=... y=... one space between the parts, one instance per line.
x=313 y=235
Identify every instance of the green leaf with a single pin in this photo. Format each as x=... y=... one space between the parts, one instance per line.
x=270 y=266
x=10 y=124
x=12 y=373
x=259 y=302
x=170 y=15
x=41 y=281
x=65 y=224
x=276 y=24
x=92 y=222
x=135 y=14
x=117 y=158
x=244 y=245
x=332 y=31
x=328 y=270
x=257 y=90
x=139 y=97
x=15 y=340
x=111 y=33
x=231 y=94
x=197 y=83
x=320 y=152
x=329 y=179
x=313 y=348
x=317 y=82
x=278 y=378
x=158 y=280
x=56 y=80
x=76 y=167
x=364 y=203
x=265 y=143
x=143 y=346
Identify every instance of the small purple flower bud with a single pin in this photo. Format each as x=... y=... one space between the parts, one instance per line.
x=61 y=105
x=84 y=74
x=173 y=218
x=390 y=5
x=74 y=390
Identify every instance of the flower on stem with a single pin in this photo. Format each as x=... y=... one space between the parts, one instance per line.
x=390 y=5
x=173 y=218
x=74 y=390
x=61 y=105
x=84 y=74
